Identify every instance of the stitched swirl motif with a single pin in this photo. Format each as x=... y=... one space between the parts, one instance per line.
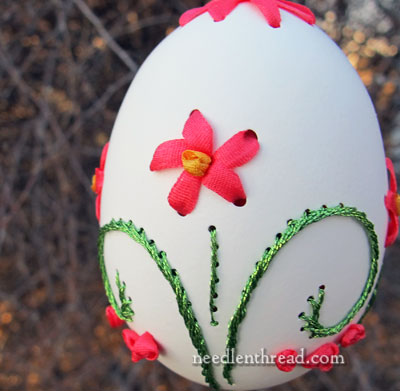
x=311 y=322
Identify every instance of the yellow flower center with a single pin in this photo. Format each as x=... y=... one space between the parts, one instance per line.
x=195 y=162
x=398 y=204
x=94 y=183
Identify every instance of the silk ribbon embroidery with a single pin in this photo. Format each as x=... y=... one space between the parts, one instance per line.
x=392 y=203
x=220 y=9
x=201 y=166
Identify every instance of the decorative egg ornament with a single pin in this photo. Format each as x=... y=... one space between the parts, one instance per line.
x=244 y=200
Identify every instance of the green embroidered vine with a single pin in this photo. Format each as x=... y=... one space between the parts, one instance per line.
x=214 y=277
x=126 y=310
x=172 y=276
x=372 y=299
x=312 y=323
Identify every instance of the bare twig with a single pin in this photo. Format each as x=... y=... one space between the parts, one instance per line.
x=111 y=43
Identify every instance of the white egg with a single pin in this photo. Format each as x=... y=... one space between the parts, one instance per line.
x=320 y=144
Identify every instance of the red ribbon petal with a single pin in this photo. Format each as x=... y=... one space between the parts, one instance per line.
x=298 y=10
x=185 y=193
x=391 y=206
x=141 y=346
x=270 y=11
x=393 y=224
x=99 y=173
x=317 y=359
x=191 y=14
x=238 y=150
x=130 y=337
x=392 y=175
x=103 y=156
x=286 y=360
x=219 y=9
x=113 y=318
x=98 y=206
x=353 y=334
x=145 y=348
x=168 y=155
x=226 y=183
x=198 y=133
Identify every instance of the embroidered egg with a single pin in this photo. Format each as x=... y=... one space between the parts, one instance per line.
x=244 y=203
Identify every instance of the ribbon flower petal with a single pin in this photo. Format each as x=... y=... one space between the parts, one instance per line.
x=219 y=9
x=353 y=334
x=321 y=357
x=113 y=319
x=141 y=346
x=98 y=179
x=392 y=203
x=194 y=153
x=286 y=360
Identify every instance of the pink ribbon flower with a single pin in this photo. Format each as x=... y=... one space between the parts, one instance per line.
x=353 y=334
x=113 y=319
x=98 y=179
x=141 y=346
x=286 y=360
x=392 y=203
x=201 y=166
x=219 y=9
x=322 y=357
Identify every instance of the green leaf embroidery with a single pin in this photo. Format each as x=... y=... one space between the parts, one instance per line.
x=126 y=310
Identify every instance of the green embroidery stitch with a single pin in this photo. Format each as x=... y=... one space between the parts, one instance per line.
x=126 y=310
x=312 y=322
x=372 y=299
x=295 y=226
x=172 y=276
x=214 y=277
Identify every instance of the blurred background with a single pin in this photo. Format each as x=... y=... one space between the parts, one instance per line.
x=65 y=66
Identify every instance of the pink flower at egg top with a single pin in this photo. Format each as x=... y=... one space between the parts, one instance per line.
x=219 y=9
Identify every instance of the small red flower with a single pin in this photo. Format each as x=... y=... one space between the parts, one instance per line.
x=98 y=179
x=113 y=318
x=201 y=166
x=219 y=9
x=392 y=203
x=322 y=357
x=353 y=334
x=286 y=360
x=142 y=346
